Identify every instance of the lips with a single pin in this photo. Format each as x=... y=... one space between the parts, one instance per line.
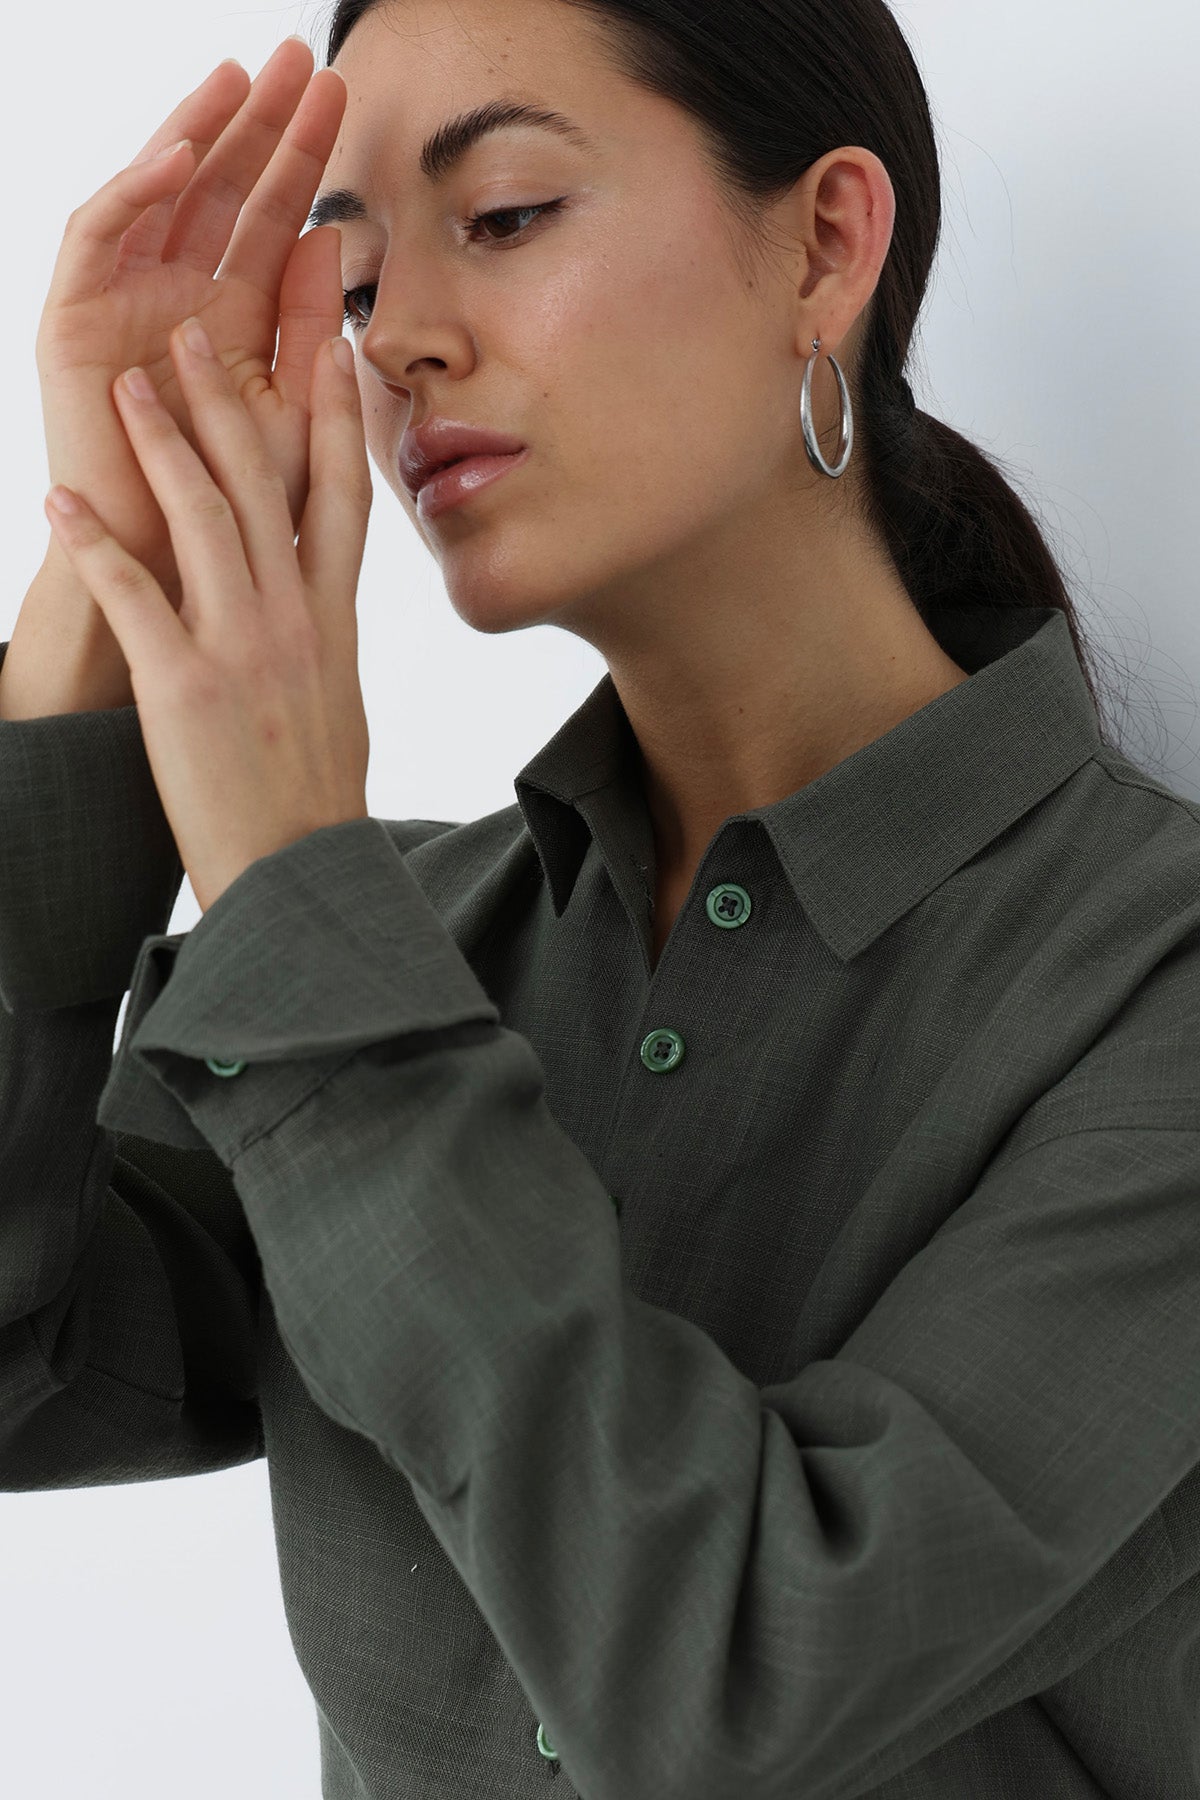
x=463 y=481
x=440 y=443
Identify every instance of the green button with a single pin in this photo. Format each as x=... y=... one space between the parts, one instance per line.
x=545 y=1746
x=729 y=906
x=223 y=1068
x=663 y=1051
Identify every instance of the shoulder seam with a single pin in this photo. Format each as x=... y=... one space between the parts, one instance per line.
x=1148 y=786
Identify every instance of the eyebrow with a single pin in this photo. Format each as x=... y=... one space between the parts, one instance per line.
x=449 y=144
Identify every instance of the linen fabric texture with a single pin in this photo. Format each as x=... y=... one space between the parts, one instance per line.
x=818 y=1415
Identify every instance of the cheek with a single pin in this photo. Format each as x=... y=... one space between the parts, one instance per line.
x=376 y=431
x=682 y=282
x=657 y=379
x=651 y=283
x=663 y=323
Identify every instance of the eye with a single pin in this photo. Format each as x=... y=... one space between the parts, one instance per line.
x=474 y=222
x=513 y=212
x=348 y=298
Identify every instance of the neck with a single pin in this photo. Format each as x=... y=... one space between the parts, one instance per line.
x=749 y=700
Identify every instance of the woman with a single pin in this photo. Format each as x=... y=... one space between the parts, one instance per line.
x=708 y=1251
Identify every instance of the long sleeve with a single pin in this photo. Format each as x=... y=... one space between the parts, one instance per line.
x=705 y=1587
x=127 y=1275
x=82 y=821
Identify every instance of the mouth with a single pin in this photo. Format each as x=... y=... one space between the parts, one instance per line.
x=437 y=469
x=459 y=481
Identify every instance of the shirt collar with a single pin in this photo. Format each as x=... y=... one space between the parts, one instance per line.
x=876 y=834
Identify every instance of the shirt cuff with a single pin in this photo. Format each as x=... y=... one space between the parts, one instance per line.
x=314 y=952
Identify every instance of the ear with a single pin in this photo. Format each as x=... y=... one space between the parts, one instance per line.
x=846 y=218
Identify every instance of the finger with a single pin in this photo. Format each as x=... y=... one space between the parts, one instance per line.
x=237 y=460
x=333 y=531
x=156 y=239
x=311 y=310
x=277 y=211
x=209 y=105
x=206 y=218
x=139 y=615
x=205 y=530
x=88 y=253
x=201 y=118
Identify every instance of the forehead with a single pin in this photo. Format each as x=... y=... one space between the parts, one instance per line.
x=509 y=42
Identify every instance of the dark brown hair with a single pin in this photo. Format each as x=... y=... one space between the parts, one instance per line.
x=774 y=85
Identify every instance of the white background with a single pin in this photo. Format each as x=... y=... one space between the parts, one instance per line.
x=143 y=1646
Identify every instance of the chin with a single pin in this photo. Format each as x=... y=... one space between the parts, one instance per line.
x=495 y=608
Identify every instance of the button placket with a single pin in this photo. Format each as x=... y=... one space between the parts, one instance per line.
x=728 y=906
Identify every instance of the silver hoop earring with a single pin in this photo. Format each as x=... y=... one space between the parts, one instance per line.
x=846 y=435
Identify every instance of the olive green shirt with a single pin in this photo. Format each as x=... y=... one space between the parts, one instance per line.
x=773 y=1377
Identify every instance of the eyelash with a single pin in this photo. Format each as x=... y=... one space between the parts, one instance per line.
x=473 y=222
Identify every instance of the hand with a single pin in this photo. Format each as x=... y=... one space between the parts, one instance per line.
x=140 y=256
x=249 y=698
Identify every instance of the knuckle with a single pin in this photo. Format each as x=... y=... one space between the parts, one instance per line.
x=275 y=210
x=351 y=487
x=221 y=190
x=262 y=475
x=129 y=579
x=209 y=508
x=82 y=218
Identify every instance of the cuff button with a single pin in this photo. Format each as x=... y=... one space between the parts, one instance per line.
x=223 y=1068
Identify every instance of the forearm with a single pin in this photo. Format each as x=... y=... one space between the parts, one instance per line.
x=62 y=657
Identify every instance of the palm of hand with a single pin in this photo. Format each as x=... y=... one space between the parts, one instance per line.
x=242 y=323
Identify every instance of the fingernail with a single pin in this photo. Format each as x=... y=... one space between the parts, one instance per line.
x=195 y=337
x=138 y=383
x=163 y=154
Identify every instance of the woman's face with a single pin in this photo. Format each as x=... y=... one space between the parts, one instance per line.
x=619 y=335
